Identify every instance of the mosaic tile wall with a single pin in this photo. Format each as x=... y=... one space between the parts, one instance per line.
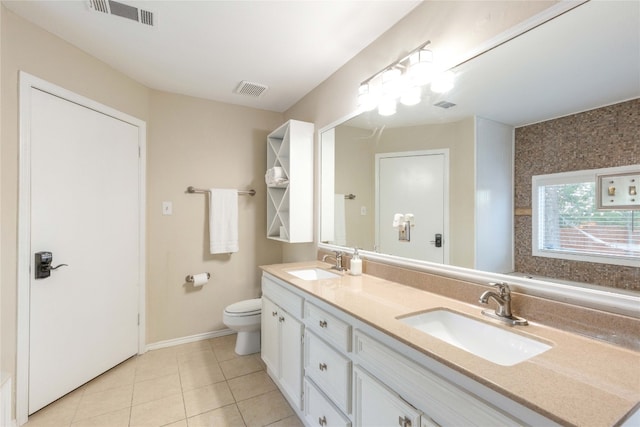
x=605 y=137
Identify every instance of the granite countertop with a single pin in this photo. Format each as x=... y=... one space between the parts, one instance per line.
x=579 y=381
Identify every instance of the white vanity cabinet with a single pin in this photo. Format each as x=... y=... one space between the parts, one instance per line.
x=290 y=188
x=355 y=374
x=281 y=337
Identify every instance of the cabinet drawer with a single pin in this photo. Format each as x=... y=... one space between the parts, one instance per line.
x=441 y=400
x=327 y=326
x=318 y=411
x=286 y=299
x=329 y=370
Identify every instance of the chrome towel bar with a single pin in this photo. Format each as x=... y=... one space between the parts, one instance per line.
x=240 y=192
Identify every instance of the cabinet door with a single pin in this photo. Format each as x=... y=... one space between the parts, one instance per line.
x=318 y=410
x=269 y=334
x=377 y=405
x=291 y=356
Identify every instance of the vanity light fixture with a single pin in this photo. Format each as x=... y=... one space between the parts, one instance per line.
x=404 y=80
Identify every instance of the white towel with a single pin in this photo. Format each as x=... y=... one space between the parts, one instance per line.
x=397 y=220
x=223 y=221
x=339 y=223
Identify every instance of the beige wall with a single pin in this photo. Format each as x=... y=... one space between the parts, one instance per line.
x=204 y=144
x=2 y=366
x=457 y=27
x=354 y=173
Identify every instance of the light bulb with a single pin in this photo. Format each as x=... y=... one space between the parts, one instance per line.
x=387 y=106
x=443 y=82
x=411 y=96
x=421 y=69
x=391 y=83
x=366 y=99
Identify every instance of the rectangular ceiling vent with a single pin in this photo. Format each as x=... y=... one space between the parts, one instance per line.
x=123 y=10
x=445 y=104
x=251 y=89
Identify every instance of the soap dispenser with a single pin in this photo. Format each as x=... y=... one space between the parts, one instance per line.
x=356 y=264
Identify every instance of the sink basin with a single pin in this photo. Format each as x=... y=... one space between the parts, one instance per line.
x=490 y=342
x=313 y=274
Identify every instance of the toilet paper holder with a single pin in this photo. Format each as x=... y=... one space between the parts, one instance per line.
x=189 y=278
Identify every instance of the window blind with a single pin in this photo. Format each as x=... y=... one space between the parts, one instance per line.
x=570 y=223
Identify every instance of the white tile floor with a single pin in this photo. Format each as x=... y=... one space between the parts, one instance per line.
x=197 y=384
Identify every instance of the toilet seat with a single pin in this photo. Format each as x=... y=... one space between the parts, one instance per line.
x=248 y=307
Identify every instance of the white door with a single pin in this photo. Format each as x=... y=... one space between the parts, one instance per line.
x=85 y=210
x=412 y=183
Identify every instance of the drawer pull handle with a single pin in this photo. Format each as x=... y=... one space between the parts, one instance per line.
x=323 y=323
x=404 y=421
x=322 y=421
x=323 y=366
x=274 y=313
x=281 y=318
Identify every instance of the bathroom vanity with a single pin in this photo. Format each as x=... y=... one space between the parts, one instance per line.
x=351 y=350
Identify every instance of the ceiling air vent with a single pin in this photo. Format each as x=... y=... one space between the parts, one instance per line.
x=445 y=104
x=123 y=10
x=251 y=89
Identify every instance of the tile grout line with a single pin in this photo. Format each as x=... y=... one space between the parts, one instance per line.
x=184 y=405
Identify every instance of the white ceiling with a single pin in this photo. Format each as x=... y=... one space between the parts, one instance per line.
x=206 y=48
x=584 y=59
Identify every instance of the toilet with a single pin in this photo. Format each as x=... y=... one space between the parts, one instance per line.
x=244 y=318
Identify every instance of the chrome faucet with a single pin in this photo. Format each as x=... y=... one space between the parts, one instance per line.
x=338 y=258
x=503 y=298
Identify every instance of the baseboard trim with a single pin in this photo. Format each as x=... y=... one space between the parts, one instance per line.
x=188 y=339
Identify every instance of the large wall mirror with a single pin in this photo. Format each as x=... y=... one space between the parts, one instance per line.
x=587 y=58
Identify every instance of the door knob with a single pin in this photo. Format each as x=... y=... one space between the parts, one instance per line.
x=43 y=261
x=438 y=241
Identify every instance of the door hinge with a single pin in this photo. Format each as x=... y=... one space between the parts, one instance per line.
x=139 y=151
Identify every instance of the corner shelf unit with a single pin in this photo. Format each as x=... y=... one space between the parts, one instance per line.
x=290 y=204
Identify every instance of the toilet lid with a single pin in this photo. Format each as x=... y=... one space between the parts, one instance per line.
x=249 y=306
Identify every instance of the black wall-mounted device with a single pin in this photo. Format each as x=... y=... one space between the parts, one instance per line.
x=42 y=264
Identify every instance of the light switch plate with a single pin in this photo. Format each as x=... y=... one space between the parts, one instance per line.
x=167 y=208
x=619 y=191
